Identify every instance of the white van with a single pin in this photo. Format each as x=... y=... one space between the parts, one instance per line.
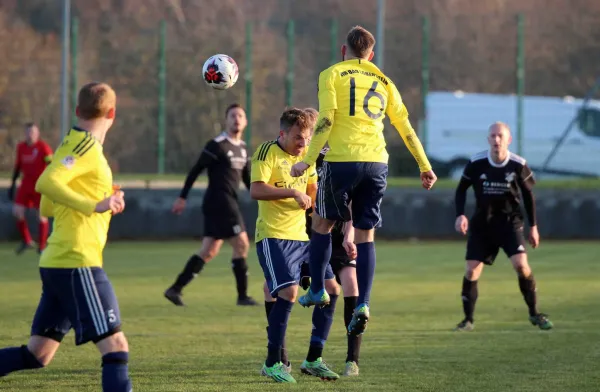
x=457 y=128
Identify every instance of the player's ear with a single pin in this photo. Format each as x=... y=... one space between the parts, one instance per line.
x=343 y=51
x=77 y=111
x=371 y=55
x=111 y=114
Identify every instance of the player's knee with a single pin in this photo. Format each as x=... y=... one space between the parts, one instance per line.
x=289 y=293
x=267 y=293
x=473 y=270
x=240 y=249
x=207 y=254
x=521 y=265
x=332 y=287
x=113 y=343
x=39 y=352
x=321 y=225
x=349 y=284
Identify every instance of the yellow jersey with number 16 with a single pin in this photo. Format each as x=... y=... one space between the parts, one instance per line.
x=360 y=95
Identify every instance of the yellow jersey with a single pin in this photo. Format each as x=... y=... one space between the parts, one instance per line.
x=354 y=97
x=77 y=179
x=282 y=219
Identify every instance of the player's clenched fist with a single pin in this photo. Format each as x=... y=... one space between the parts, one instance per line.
x=303 y=200
x=462 y=224
x=428 y=179
x=114 y=204
x=178 y=206
x=298 y=169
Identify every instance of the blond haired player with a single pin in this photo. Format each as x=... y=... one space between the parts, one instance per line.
x=354 y=97
x=77 y=190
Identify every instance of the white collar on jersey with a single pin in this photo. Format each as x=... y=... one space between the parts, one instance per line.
x=225 y=135
x=494 y=164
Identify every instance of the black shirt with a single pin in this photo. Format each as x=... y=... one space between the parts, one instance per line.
x=227 y=163
x=498 y=189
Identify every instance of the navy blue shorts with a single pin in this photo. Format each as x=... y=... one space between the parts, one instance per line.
x=363 y=183
x=78 y=298
x=281 y=262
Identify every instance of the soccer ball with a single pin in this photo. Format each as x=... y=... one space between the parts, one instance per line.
x=220 y=72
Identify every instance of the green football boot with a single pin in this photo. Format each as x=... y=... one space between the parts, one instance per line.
x=309 y=299
x=319 y=369
x=278 y=373
x=360 y=318
x=542 y=321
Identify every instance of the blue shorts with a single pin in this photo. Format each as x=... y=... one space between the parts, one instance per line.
x=363 y=183
x=281 y=262
x=78 y=298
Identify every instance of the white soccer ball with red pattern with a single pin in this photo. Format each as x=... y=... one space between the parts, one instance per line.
x=220 y=72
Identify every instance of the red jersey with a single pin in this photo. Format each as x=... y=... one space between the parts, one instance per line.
x=32 y=160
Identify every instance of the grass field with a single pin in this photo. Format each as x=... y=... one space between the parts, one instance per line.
x=212 y=345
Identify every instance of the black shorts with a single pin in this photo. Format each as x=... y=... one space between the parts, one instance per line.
x=223 y=224
x=340 y=260
x=485 y=241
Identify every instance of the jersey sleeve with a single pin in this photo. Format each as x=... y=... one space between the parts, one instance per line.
x=469 y=172
x=396 y=111
x=18 y=158
x=53 y=183
x=262 y=164
x=526 y=177
x=47 y=153
x=327 y=107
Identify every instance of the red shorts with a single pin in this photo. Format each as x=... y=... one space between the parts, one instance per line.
x=28 y=197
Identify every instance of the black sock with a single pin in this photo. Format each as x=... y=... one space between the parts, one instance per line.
x=268 y=307
x=469 y=297
x=192 y=268
x=527 y=286
x=350 y=303
x=240 y=270
x=314 y=352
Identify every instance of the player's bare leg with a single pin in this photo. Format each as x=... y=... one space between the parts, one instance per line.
x=115 y=357
x=210 y=248
x=469 y=294
x=320 y=253
x=26 y=240
x=350 y=288
x=322 y=320
x=240 y=246
x=38 y=353
x=365 y=272
x=528 y=289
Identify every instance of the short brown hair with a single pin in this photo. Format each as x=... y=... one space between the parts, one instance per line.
x=313 y=115
x=95 y=100
x=294 y=116
x=360 y=41
x=231 y=107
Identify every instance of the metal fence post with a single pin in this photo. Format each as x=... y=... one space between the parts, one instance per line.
x=520 y=80
x=162 y=90
x=249 y=82
x=289 y=80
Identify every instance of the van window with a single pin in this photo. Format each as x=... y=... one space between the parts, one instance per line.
x=589 y=121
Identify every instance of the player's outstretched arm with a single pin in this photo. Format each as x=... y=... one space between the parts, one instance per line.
x=399 y=119
x=206 y=158
x=53 y=183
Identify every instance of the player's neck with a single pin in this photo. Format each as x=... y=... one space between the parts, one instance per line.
x=499 y=157
x=234 y=136
x=96 y=128
x=347 y=57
